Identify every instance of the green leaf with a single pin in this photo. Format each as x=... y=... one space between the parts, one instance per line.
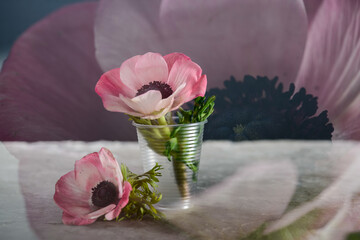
x=124 y=171
x=202 y=109
x=174 y=132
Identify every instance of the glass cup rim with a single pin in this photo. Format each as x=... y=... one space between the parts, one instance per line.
x=138 y=125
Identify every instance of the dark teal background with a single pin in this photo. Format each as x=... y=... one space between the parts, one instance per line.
x=18 y=15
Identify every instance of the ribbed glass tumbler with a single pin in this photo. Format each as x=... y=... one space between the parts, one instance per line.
x=177 y=148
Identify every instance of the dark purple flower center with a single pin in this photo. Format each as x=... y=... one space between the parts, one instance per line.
x=104 y=194
x=162 y=87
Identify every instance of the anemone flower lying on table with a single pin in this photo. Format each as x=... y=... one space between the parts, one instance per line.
x=98 y=187
x=234 y=40
x=93 y=189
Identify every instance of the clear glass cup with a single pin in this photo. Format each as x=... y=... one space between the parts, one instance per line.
x=177 y=148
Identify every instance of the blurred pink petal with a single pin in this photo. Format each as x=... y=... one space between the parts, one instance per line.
x=337 y=207
x=47 y=83
x=348 y=124
x=312 y=6
x=157 y=85
x=224 y=37
x=330 y=68
x=253 y=198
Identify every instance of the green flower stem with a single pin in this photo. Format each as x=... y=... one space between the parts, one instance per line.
x=162 y=121
x=153 y=133
x=154 y=138
x=147 y=133
x=179 y=168
x=165 y=131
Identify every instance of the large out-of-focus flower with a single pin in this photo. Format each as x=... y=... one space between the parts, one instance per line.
x=327 y=66
x=94 y=188
x=330 y=68
x=225 y=37
x=149 y=86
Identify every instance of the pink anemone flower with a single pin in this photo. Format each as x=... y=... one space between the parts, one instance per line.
x=94 y=188
x=149 y=86
x=47 y=92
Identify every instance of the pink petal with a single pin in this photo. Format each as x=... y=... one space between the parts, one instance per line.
x=122 y=203
x=179 y=97
x=115 y=104
x=165 y=103
x=110 y=84
x=107 y=160
x=110 y=87
x=88 y=172
x=173 y=57
x=184 y=71
x=151 y=67
x=97 y=167
x=144 y=103
x=70 y=220
x=330 y=68
x=100 y=212
x=111 y=170
x=128 y=75
x=225 y=38
x=47 y=83
x=199 y=88
x=188 y=72
x=70 y=197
